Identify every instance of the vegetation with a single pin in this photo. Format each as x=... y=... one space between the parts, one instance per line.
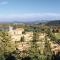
x=33 y=53
x=5 y=43
x=57 y=35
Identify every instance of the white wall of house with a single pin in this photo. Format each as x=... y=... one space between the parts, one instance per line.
x=16 y=34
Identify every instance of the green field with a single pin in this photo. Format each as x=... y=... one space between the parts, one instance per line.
x=57 y=35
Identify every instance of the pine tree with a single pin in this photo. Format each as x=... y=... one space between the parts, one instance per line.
x=34 y=48
x=47 y=49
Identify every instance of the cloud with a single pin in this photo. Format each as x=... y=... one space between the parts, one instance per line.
x=31 y=17
x=34 y=15
x=3 y=3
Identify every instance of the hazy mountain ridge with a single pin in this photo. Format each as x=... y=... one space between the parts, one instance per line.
x=54 y=23
x=46 y=22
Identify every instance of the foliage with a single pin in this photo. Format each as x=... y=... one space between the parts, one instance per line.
x=22 y=39
x=5 y=43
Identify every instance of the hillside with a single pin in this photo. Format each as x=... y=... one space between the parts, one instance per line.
x=53 y=23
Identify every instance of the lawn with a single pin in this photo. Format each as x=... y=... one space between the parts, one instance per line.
x=57 y=35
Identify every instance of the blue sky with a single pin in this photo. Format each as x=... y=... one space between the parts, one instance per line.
x=29 y=10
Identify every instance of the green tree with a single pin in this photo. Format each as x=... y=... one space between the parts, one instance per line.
x=33 y=51
x=22 y=39
x=5 y=43
x=47 y=49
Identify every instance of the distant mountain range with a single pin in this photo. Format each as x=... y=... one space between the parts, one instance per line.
x=53 y=23
x=46 y=22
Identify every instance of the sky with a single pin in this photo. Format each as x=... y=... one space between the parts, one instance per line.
x=29 y=10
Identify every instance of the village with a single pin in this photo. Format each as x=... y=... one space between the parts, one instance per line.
x=27 y=37
x=35 y=40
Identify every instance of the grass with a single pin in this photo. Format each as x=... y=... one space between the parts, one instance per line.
x=57 y=35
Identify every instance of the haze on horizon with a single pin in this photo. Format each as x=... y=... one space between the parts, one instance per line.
x=29 y=10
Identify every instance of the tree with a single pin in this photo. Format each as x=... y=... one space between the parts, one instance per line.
x=33 y=51
x=22 y=39
x=47 y=49
x=5 y=43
